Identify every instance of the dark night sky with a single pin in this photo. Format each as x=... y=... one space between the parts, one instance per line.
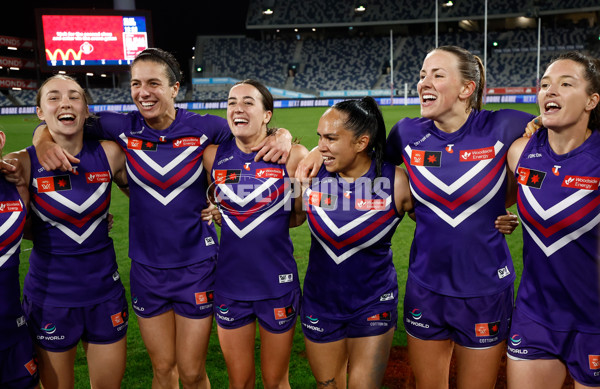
x=176 y=23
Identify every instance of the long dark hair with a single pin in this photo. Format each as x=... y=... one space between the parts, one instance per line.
x=591 y=73
x=365 y=118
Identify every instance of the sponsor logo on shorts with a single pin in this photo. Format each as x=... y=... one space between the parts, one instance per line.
x=383 y=316
x=116 y=276
x=516 y=340
x=313 y=324
x=387 y=297
x=134 y=299
x=224 y=310
x=209 y=241
x=119 y=319
x=47 y=330
x=594 y=362
x=416 y=314
x=503 y=272
x=283 y=313
x=285 y=278
x=21 y=321
x=204 y=297
x=31 y=367
x=487 y=329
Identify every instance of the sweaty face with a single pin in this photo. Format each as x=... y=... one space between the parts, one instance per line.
x=440 y=84
x=246 y=114
x=63 y=107
x=563 y=96
x=151 y=92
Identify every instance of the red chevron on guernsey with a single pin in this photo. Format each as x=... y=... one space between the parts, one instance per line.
x=163 y=185
x=243 y=215
x=561 y=224
x=452 y=205
x=79 y=223
x=362 y=233
x=13 y=237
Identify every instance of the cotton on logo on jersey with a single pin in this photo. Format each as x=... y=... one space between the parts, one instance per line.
x=229 y=176
x=138 y=144
x=191 y=141
x=10 y=206
x=53 y=184
x=477 y=154
x=97 y=177
x=426 y=158
x=577 y=182
x=531 y=177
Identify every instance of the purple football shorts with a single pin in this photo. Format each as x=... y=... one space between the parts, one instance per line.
x=187 y=290
x=59 y=329
x=473 y=322
x=276 y=315
x=373 y=319
x=579 y=351
x=18 y=369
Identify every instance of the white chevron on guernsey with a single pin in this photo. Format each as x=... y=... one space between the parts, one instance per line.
x=10 y=252
x=348 y=226
x=244 y=231
x=10 y=221
x=162 y=199
x=449 y=189
x=162 y=170
x=556 y=208
x=56 y=196
x=347 y=254
x=467 y=212
x=231 y=195
x=554 y=247
x=66 y=230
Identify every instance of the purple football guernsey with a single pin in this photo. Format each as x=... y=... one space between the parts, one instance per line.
x=559 y=205
x=256 y=259
x=167 y=185
x=458 y=181
x=350 y=261
x=72 y=263
x=12 y=222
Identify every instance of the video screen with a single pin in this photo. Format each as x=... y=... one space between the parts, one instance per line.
x=110 y=39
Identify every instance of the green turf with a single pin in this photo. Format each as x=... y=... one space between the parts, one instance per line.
x=302 y=122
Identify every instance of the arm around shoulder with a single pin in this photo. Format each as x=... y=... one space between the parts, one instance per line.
x=514 y=153
x=402 y=197
x=297 y=154
x=116 y=160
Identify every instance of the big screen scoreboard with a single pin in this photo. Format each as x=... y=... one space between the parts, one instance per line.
x=84 y=40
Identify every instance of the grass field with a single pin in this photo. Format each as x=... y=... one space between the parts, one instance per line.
x=302 y=122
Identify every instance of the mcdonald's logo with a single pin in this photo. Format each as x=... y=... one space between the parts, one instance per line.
x=63 y=56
